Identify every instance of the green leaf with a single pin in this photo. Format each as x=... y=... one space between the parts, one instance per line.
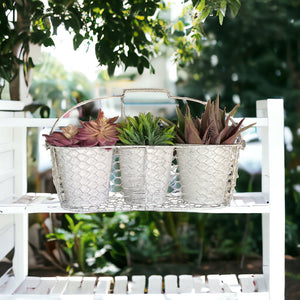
x=70 y=221
x=48 y=42
x=223 y=5
x=111 y=69
x=234 y=6
x=204 y=14
x=140 y=68
x=77 y=40
x=179 y=26
x=221 y=17
x=201 y=6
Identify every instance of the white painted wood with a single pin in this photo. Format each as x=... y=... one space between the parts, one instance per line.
x=273 y=186
x=230 y=283
x=28 y=285
x=199 y=284
x=137 y=284
x=87 y=285
x=7 y=191
x=11 y=105
x=247 y=283
x=260 y=283
x=7 y=235
x=155 y=284
x=22 y=122
x=171 y=285
x=214 y=283
x=41 y=202
x=73 y=286
x=60 y=285
x=33 y=286
x=103 y=285
x=45 y=286
x=20 y=260
x=269 y=203
x=20 y=159
x=186 y=284
x=120 y=285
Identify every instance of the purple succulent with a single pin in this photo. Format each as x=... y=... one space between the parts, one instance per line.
x=99 y=132
x=66 y=138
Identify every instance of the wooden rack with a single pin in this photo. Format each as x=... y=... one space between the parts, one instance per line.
x=16 y=204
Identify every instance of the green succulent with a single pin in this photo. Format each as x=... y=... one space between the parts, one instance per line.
x=145 y=129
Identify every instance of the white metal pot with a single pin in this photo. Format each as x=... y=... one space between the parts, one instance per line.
x=208 y=173
x=82 y=176
x=145 y=174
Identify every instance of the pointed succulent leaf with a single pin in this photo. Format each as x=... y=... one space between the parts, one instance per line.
x=181 y=121
x=146 y=129
x=191 y=133
x=218 y=114
x=234 y=110
x=213 y=130
x=205 y=118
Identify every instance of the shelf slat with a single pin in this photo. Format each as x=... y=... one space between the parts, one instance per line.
x=218 y=286
x=40 y=202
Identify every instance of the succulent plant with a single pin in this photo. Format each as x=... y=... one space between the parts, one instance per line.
x=214 y=127
x=99 y=132
x=145 y=130
x=66 y=138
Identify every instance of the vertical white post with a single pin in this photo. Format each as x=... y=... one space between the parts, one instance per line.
x=20 y=158
x=273 y=188
x=20 y=260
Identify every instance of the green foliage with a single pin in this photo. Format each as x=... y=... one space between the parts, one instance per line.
x=126 y=32
x=83 y=245
x=22 y=23
x=254 y=56
x=117 y=242
x=188 y=34
x=145 y=130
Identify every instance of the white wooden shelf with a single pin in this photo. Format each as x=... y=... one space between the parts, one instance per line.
x=229 y=286
x=242 y=203
x=14 y=224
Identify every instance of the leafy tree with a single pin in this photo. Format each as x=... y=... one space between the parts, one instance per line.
x=125 y=31
x=255 y=56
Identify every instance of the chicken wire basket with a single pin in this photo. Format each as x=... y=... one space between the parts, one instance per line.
x=123 y=178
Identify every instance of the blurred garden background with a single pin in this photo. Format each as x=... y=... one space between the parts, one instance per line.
x=244 y=52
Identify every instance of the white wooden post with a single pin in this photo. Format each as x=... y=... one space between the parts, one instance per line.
x=273 y=224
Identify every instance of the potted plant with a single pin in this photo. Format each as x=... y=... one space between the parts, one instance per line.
x=207 y=152
x=145 y=159
x=82 y=162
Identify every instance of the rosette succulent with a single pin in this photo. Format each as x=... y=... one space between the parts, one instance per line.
x=65 y=138
x=99 y=132
x=145 y=130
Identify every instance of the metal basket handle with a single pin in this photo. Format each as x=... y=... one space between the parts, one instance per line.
x=125 y=91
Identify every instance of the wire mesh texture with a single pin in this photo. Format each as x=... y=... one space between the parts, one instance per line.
x=89 y=179
x=144 y=177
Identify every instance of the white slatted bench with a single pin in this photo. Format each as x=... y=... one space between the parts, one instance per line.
x=16 y=204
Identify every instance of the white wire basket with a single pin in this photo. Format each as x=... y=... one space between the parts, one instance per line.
x=111 y=178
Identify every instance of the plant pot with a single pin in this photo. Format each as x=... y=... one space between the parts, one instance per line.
x=82 y=176
x=145 y=174
x=208 y=173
